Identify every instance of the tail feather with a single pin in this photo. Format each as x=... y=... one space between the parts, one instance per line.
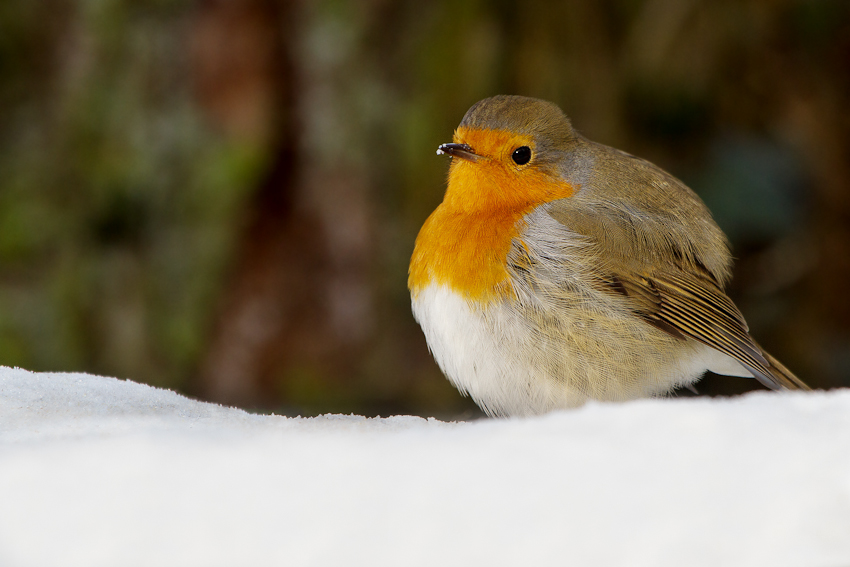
x=784 y=377
x=778 y=376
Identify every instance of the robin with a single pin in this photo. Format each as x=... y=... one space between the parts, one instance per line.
x=558 y=270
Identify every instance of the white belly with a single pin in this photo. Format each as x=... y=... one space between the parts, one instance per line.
x=510 y=365
x=476 y=352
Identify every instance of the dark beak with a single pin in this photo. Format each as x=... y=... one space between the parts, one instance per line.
x=458 y=150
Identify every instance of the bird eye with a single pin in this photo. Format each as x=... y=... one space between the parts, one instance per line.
x=521 y=155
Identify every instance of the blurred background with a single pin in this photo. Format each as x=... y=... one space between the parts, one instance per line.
x=221 y=196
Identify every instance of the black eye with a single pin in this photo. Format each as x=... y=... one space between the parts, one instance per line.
x=521 y=155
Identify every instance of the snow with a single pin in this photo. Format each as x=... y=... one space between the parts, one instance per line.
x=98 y=471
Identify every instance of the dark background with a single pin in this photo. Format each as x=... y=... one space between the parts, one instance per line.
x=221 y=196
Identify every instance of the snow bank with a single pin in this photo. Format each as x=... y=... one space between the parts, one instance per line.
x=98 y=471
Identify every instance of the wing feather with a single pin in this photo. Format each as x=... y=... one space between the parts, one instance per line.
x=665 y=281
x=680 y=304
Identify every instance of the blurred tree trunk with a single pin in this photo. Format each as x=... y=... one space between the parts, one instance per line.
x=245 y=80
x=296 y=308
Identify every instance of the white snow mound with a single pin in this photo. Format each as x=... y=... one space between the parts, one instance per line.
x=98 y=471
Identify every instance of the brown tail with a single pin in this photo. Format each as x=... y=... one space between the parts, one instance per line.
x=783 y=378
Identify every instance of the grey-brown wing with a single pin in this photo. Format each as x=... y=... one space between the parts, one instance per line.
x=685 y=305
x=659 y=264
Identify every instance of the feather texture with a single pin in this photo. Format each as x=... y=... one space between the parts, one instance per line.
x=579 y=273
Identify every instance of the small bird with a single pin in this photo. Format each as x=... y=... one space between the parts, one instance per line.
x=558 y=270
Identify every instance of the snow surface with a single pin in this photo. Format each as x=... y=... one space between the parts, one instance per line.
x=98 y=471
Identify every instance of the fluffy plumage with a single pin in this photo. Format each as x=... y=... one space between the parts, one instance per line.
x=586 y=273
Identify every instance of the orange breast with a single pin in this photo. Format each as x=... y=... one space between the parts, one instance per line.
x=465 y=242
x=465 y=251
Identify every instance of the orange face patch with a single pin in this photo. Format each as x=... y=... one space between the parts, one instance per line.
x=465 y=242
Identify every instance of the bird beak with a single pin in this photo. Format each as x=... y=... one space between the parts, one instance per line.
x=462 y=151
